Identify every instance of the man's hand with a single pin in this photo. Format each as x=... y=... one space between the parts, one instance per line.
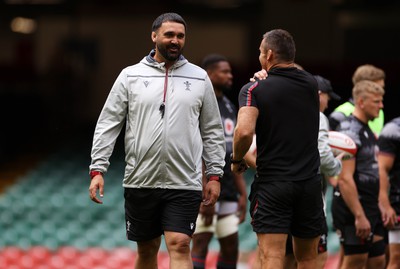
x=340 y=156
x=207 y=213
x=333 y=181
x=260 y=75
x=211 y=193
x=363 y=227
x=239 y=168
x=97 y=184
x=389 y=217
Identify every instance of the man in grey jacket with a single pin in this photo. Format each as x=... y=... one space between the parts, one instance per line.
x=173 y=126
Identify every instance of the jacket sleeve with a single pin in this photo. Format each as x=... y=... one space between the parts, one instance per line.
x=212 y=133
x=109 y=125
x=330 y=166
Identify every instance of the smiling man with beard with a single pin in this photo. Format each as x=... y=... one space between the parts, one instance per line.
x=173 y=125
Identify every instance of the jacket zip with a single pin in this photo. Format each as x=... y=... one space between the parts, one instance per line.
x=164 y=127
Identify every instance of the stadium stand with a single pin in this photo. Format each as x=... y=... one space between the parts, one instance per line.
x=47 y=220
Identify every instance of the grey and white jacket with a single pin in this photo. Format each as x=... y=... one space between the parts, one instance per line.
x=162 y=152
x=330 y=166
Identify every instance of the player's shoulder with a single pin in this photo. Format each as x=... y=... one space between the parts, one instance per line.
x=190 y=70
x=250 y=86
x=351 y=127
x=391 y=129
x=193 y=67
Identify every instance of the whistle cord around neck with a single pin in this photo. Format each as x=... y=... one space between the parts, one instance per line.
x=162 y=106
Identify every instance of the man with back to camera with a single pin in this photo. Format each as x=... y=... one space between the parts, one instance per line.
x=222 y=220
x=286 y=193
x=172 y=125
x=355 y=210
x=330 y=166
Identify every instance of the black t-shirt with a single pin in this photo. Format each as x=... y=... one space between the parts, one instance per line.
x=366 y=174
x=389 y=143
x=287 y=125
x=228 y=116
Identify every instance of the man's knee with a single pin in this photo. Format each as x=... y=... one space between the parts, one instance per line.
x=149 y=248
x=177 y=242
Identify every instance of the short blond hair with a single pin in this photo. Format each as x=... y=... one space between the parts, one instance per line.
x=364 y=87
x=368 y=72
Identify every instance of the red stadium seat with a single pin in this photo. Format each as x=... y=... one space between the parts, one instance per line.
x=85 y=262
x=125 y=255
x=68 y=254
x=56 y=262
x=97 y=255
x=12 y=254
x=39 y=254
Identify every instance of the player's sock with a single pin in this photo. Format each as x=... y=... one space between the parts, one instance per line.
x=226 y=263
x=199 y=262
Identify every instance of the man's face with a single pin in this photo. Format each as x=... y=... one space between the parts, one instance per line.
x=221 y=76
x=371 y=105
x=169 y=40
x=323 y=101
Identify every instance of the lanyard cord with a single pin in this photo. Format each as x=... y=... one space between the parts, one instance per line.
x=162 y=106
x=165 y=85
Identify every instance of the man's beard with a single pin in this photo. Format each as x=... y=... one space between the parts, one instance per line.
x=226 y=88
x=167 y=55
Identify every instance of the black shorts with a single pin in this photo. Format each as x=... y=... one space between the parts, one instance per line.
x=342 y=216
x=343 y=221
x=322 y=244
x=150 y=212
x=294 y=207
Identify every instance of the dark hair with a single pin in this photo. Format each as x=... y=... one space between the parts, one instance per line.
x=174 y=17
x=281 y=43
x=210 y=60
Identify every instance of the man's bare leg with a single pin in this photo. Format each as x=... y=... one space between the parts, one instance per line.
x=272 y=248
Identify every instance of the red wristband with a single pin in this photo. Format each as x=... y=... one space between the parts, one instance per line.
x=94 y=173
x=213 y=178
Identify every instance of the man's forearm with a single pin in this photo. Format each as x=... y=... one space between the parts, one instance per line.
x=350 y=197
x=241 y=144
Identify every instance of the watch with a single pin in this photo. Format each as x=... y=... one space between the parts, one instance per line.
x=234 y=161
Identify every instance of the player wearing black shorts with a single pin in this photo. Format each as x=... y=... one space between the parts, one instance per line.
x=330 y=166
x=283 y=112
x=355 y=209
x=389 y=174
x=172 y=127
